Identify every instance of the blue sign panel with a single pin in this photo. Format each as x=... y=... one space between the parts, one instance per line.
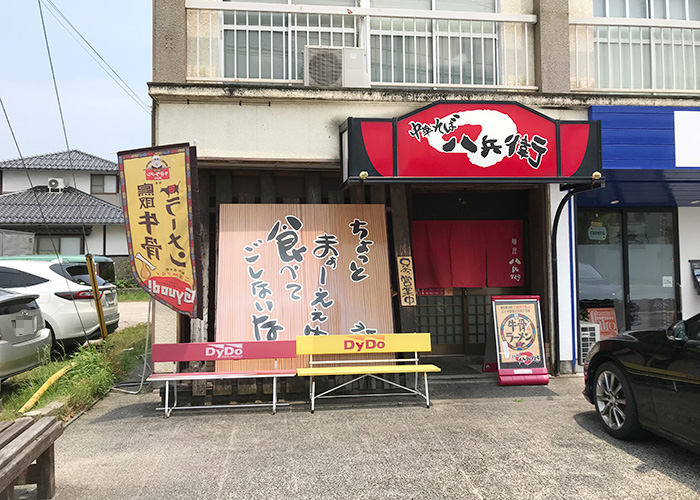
x=639 y=137
x=650 y=156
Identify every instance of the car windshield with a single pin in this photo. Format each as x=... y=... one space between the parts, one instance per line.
x=78 y=273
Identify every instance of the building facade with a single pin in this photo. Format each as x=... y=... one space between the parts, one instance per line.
x=263 y=88
x=83 y=203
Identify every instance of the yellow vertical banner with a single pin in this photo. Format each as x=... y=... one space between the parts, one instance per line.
x=157 y=186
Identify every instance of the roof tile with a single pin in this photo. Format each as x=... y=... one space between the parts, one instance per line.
x=70 y=206
x=61 y=161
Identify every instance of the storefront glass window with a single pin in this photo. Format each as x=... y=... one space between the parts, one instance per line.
x=600 y=263
x=626 y=261
x=651 y=269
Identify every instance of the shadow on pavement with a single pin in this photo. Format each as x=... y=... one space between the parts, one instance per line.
x=654 y=452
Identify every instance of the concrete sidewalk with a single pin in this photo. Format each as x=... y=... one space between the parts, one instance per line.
x=477 y=441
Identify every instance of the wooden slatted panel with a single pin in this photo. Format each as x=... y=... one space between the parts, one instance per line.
x=368 y=301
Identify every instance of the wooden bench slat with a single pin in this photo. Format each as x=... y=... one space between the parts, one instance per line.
x=33 y=434
x=14 y=429
x=360 y=370
x=49 y=430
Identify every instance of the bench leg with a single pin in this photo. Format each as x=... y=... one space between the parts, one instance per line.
x=313 y=393
x=274 y=395
x=46 y=482
x=427 y=394
x=167 y=399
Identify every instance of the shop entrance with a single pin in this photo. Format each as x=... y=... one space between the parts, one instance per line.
x=508 y=225
x=460 y=322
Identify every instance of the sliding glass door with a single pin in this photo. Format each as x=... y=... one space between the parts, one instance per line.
x=651 y=269
x=627 y=260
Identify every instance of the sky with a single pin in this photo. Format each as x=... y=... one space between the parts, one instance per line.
x=100 y=117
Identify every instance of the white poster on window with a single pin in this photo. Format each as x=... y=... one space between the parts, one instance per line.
x=686 y=127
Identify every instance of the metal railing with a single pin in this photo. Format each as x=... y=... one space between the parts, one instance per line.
x=635 y=55
x=264 y=43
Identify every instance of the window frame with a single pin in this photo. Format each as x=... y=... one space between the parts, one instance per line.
x=58 y=238
x=101 y=184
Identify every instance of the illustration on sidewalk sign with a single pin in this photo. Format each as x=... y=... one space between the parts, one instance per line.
x=518 y=333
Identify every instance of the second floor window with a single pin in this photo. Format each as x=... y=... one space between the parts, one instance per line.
x=647 y=57
x=425 y=50
x=104 y=184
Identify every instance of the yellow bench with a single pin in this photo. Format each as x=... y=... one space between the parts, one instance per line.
x=353 y=349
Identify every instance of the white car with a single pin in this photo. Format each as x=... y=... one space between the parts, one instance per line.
x=23 y=336
x=64 y=296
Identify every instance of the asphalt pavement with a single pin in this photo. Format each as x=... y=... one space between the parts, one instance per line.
x=132 y=313
x=477 y=441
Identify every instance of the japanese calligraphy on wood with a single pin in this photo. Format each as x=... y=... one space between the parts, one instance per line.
x=289 y=270
x=519 y=346
x=156 y=186
x=407 y=285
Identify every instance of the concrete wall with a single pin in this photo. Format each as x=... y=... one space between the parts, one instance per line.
x=298 y=130
x=16 y=180
x=169 y=41
x=689 y=237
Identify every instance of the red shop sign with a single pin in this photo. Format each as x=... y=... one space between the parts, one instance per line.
x=470 y=140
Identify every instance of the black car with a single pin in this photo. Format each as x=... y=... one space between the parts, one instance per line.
x=648 y=379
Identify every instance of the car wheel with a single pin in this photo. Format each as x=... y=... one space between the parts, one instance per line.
x=614 y=402
x=58 y=351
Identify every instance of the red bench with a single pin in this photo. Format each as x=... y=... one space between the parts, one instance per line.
x=221 y=351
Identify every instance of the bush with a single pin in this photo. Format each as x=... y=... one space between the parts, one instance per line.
x=126 y=283
x=95 y=370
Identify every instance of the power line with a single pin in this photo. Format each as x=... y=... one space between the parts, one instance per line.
x=111 y=72
x=60 y=112
x=41 y=213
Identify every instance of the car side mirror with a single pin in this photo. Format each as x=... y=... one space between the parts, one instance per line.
x=677 y=331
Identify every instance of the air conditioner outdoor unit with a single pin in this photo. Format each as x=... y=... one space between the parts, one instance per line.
x=56 y=184
x=335 y=67
x=589 y=334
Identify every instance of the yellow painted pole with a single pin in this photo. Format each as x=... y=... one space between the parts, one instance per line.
x=96 y=295
x=53 y=378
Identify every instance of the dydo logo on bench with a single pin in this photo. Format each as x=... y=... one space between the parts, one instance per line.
x=364 y=344
x=224 y=351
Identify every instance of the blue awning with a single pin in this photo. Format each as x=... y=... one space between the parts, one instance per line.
x=645 y=188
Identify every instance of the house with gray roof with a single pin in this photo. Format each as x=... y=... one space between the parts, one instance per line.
x=70 y=200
